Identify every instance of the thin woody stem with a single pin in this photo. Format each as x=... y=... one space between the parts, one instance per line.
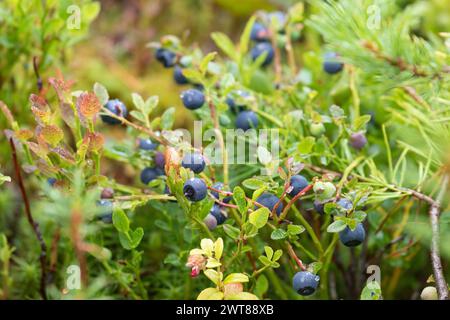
x=34 y=225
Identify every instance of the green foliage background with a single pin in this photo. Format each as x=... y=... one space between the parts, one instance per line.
x=111 y=48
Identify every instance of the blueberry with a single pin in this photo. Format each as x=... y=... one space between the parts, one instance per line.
x=353 y=238
x=234 y=107
x=319 y=206
x=210 y=222
x=195 y=189
x=149 y=174
x=215 y=194
x=106 y=210
x=147 y=144
x=107 y=193
x=261 y=48
x=178 y=75
x=166 y=57
x=259 y=32
x=331 y=64
x=305 y=283
x=160 y=160
x=246 y=120
x=345 y=204
x=193 y=99
x=193 y=161
x=217 y=213
x=269 y=201
x=357 y=140
x=51 y=181
x=298 y=183
x=118 y=108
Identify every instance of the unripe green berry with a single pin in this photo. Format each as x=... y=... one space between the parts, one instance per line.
x=317 y=129
x=429 y=293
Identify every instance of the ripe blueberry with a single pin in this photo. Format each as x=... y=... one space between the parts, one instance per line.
x=269 y=201
x=261 y=48
x=215 y=194
x=305 y=283
x=166 y=57
x=149 y=174
x=235 y=107
x=147 y=144
x=178 y=75
x=298 y=183
x=352 y=238
x=331 y=64
x=118 y=108
x=106 y=210
x=319 y=206
x=193 y=161
x=217 y=213
x=195 y=189
x=345 y=204
x=193 y=99
x=246 y=120
x=259 y=32
x=160 y=160
x=357 y=140
x=210 y=222
x=51 y=181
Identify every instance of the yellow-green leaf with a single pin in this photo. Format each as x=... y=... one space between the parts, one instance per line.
x=210 y=294
x=235 y=277
x=218 y=248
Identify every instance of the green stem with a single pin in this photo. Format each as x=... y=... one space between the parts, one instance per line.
x=309 y=229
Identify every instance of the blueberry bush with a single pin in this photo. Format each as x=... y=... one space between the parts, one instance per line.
x=317 y=166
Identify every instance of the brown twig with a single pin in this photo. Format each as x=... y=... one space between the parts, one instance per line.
x=76 y=221
x=439 y=278
x=34 y=225
x=294 y=256
x=293 y=200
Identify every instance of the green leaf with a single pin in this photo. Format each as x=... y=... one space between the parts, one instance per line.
x=278 y=234
x=235 y=278
x=120 y=220
x=372 y=291
x=293 y=229
x=136 y=237
x=231 y=231
x=329 y=207
x=261 y=286
x=101 y=93
x=242 y=296
x=360 y=216
x=205 y=61
x=245 y=36
x=258 y=193
x=360 y=122
x=253 y=184
x=239 y=199
x=210 y=294
x=265 y=261
x=269 y=252
x=315 y=267
x=167 y=119
x=4 y=179
x=306 y=145
x=277 y=255
x=259 y=217
x=225 y=44
x=336 y=226
x=138 y=101
x=213 y=275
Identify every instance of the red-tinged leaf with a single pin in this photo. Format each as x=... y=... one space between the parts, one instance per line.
x=24 y=134
x=37 y=149
x=63 y=153
x=52 y=135
x=96 y=141
x=88 y=105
